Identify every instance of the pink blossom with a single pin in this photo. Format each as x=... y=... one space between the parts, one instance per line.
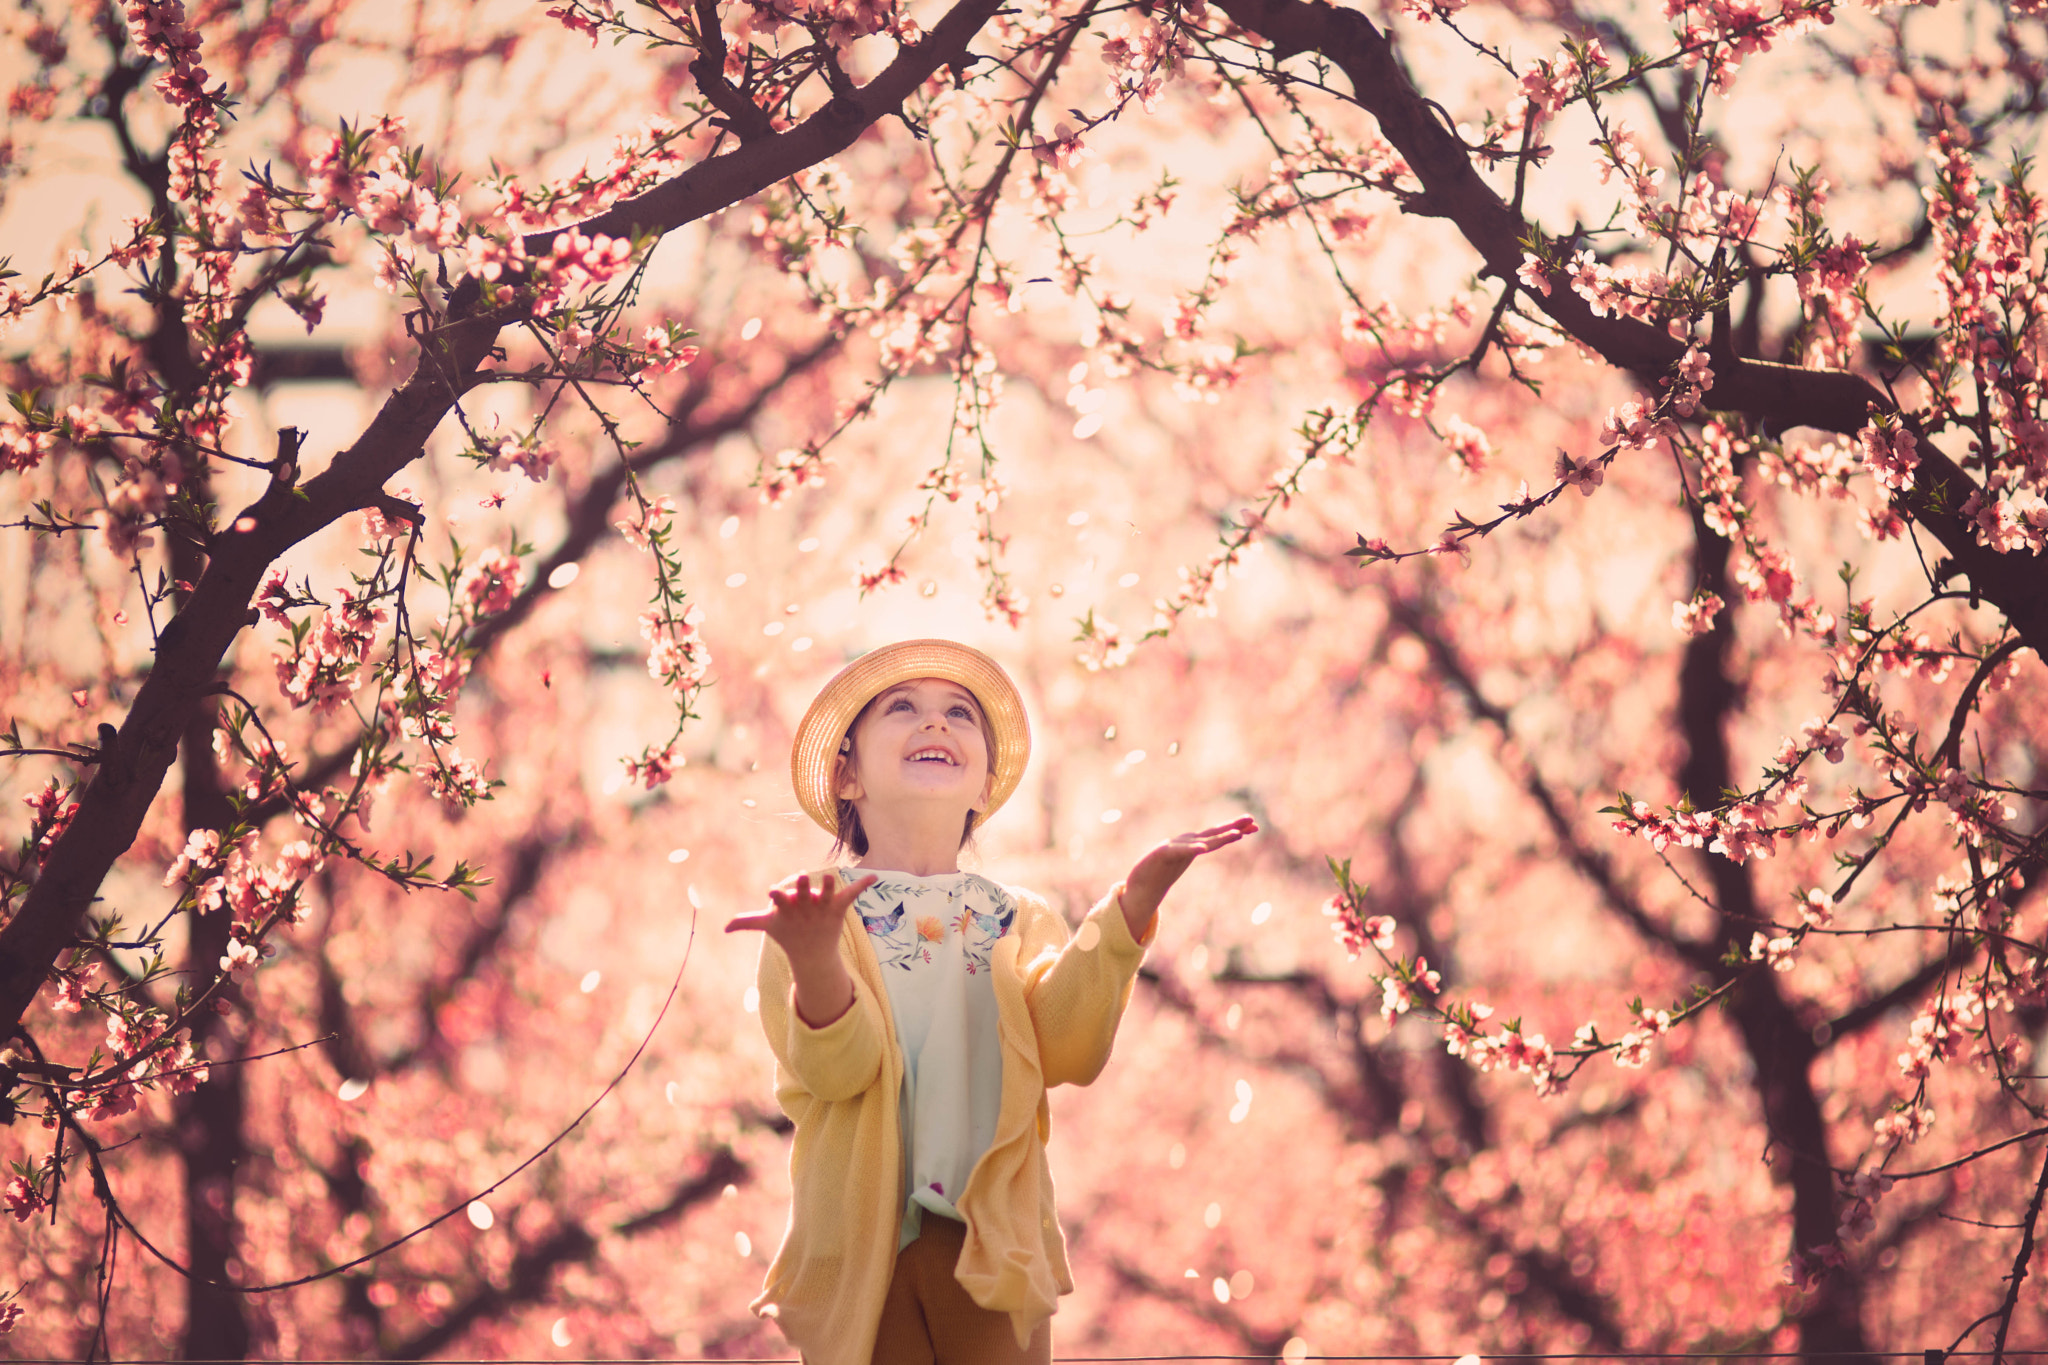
x=1909 y=1123
x=23 y=1200
x=1776 y=951
x=653 y=767
x=648 y=519
x=1822 y=737
x=573 y=340
x=488 y=586
x=272 y=599
x=1062 y=150
x=1584 y=475
x=664 y=356
x=533 y=458
x=1890 y=454
x=1468 y=445
x=676 y=654
x=1697 y=616
x=1534 y=275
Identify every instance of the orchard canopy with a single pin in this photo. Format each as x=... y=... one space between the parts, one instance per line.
x=1575 y=472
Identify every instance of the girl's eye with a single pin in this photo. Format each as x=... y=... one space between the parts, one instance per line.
x=961 y=711
x=899 y=703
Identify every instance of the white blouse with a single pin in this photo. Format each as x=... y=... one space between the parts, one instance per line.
x=932 y=937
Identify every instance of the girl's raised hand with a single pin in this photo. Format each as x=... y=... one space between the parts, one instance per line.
x=1160 y=868
x=806 y=920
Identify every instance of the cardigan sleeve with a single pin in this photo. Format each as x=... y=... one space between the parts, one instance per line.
x=835 y=1062
x=1077 y=988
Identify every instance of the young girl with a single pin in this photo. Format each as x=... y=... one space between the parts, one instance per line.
x=918 y=1015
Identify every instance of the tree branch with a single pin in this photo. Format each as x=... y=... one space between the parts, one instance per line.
x=1778 y=396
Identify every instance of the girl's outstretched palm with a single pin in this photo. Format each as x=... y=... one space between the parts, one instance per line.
x=1160 y=868
x=806 y=922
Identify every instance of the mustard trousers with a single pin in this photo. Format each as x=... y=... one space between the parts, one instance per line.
x=928 y=1319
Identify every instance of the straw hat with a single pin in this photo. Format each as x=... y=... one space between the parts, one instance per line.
x=831 y=715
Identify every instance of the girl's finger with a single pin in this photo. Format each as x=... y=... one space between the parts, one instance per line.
x=760 y=919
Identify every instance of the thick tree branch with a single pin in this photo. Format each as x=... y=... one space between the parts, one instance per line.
x=112 y=806
x=1774 y=396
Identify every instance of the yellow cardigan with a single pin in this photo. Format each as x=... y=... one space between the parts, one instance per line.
x=1058 y=1001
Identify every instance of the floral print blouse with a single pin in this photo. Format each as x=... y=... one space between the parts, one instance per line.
x=932 y=937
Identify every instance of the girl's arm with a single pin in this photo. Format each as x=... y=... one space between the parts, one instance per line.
x=1159 y=869
x=1077 y=992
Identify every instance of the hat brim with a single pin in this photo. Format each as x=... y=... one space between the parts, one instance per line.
x=832 y=712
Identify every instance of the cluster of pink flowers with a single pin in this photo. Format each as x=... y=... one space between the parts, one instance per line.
x=1355 y=929
x=1548 y=85
x=576 y=264
x=532 y=457
x=676 y=653
x=1891 y=454
x=457 y=781
x=1470 y=451
x=1741 y=831
x=488 y=586
x=429 y=709
x=1206 y=377
x=1635 y=291
x=23 y=446
x=1398 y=992
x=1103 y=644
x=325 y=666
x=1632 y=426
x=135 y=1035
x=1828 y=287
x=231 y=877
x=868 y=580
x=1508 y=1050
x=1776 y=950
x=1426 y=10
x=159 y=28
x=132 y=504
x=1695 y=376
x=664 y=351
x=585 y=16
x=49 y=816
x=649 y=518
x=2008 y=516
x=1143 y=54
x=654 y=766
x=1200 y=583
x=1721 y=34
x=791 y=470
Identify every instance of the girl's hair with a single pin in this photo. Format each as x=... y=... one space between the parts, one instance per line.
x=850 y=834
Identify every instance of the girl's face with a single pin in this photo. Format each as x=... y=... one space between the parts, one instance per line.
x=921 y=741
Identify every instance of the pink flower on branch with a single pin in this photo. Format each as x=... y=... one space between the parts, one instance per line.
x=1697 y=616
x=488 y=586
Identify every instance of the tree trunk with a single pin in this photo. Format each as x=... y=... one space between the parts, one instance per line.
x=209 y=1137
x=1780 y=1049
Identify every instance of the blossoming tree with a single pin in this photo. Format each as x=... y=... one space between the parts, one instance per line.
x=1411 y=262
